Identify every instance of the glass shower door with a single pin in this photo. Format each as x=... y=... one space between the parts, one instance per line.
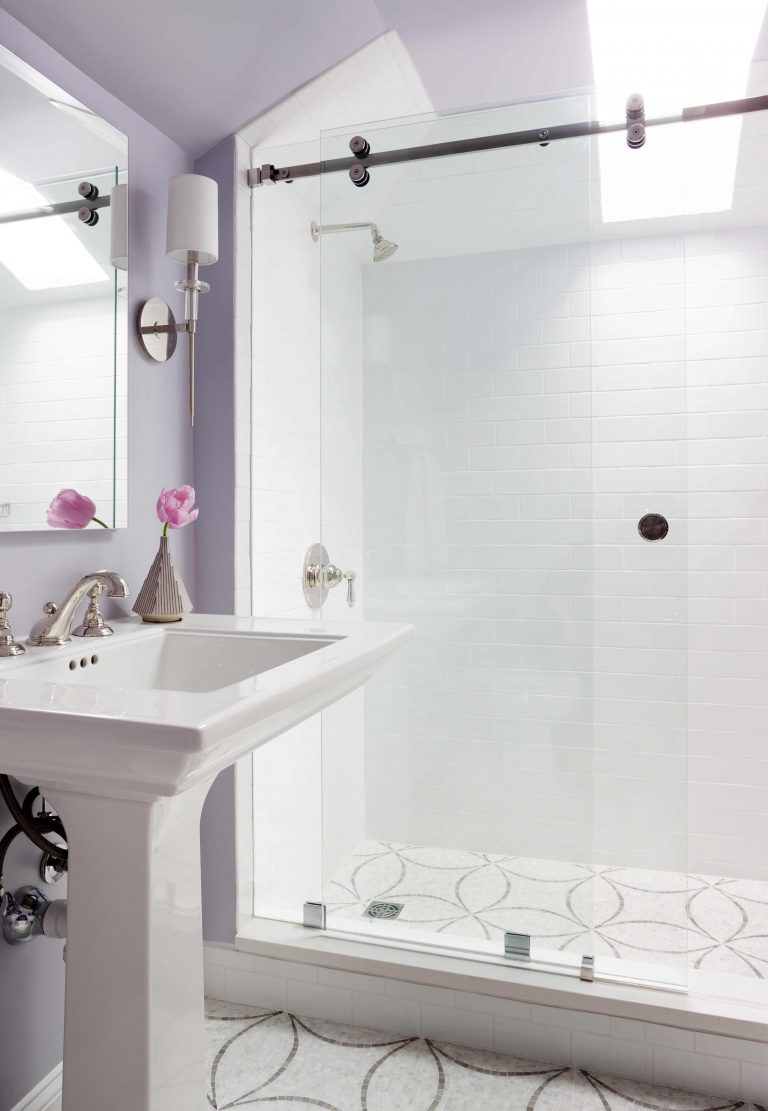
x=543 y=444
x=458 y=791
x=643 y=928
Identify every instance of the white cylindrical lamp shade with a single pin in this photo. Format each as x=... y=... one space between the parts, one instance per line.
x=193 y=219
x=118 y=227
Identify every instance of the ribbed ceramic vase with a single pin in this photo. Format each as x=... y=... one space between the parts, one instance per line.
x=163 y=597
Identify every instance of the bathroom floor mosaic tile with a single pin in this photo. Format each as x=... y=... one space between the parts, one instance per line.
x=710 y=923
x=260 y=1057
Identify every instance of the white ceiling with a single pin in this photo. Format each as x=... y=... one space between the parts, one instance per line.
x=214 y=65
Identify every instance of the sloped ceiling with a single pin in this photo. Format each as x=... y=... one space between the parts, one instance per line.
x=477 y=52
x=200 y=69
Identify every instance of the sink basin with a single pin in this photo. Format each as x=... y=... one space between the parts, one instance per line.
x=125 y=735
x=194 y=662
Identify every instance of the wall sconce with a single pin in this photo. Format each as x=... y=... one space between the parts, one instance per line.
x=192 y=239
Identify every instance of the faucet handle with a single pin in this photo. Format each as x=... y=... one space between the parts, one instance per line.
x=333 y=575
x=94 y=624
x=8 y=646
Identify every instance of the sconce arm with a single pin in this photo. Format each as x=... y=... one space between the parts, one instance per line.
x=164 y=329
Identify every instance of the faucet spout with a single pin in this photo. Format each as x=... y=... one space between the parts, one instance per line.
x=56 y=626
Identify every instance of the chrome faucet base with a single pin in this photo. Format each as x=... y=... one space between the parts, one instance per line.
x=8 y=646
x=93 y=624
x=55 y=628
x=92 y=631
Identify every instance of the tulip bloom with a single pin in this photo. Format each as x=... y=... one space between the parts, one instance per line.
x=72 y=510
x=175 y=507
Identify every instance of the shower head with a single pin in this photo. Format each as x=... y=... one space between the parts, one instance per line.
x=382 y=248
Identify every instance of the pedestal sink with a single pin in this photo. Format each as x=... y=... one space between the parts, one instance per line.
x=125 y=737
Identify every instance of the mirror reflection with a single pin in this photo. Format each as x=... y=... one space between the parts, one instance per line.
x=63 y=303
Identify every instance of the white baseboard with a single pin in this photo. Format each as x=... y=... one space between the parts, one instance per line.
x=45 y=1096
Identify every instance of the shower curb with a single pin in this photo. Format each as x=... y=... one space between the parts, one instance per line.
x=640 y=1033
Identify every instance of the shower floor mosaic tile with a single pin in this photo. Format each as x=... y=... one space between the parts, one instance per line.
x=712 y=923
x=259 y=1057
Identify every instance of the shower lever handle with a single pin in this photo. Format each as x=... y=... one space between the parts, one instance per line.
x=320 y=575
x=334 y=575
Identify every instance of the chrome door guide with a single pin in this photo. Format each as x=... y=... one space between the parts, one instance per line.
x=587 y=970
x=314 y=915
x=517 y=946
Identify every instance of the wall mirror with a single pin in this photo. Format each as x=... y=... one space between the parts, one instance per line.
x=63 y=302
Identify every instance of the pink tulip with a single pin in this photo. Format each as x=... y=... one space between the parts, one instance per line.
x=72 y=510
x=174 y=507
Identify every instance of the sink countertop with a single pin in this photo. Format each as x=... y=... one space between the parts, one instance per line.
x=167 y=736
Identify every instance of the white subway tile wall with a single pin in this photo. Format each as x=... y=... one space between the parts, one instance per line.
x=572 y=688
x=58 y=380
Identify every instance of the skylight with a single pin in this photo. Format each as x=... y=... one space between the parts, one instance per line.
x=677 y=53
x=43 y=253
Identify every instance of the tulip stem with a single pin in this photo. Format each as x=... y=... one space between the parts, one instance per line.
x=165 y=529
x=98 y=522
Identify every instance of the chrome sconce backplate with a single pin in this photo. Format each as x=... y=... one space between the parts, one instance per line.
x=157 y=329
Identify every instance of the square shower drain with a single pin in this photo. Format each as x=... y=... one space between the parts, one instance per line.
x=383 y=910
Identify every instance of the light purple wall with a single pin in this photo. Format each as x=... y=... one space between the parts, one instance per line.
x=38 y=566
x=214 y=437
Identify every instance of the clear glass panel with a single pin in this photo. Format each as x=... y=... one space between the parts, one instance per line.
x=641 y=881
x=457 y=480
x=285 y=485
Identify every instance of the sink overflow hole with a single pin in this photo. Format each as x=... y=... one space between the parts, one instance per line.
x=83 y=662
x=383 y=910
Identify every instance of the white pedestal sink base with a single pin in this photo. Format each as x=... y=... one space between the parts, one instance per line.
x=126 y=745
x=133 y=1025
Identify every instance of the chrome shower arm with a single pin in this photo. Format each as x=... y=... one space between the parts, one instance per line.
x=324 y=229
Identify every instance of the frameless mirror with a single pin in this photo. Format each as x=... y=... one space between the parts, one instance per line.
x=63 y=302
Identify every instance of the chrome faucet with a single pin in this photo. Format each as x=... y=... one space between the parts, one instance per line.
x=55 y=628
